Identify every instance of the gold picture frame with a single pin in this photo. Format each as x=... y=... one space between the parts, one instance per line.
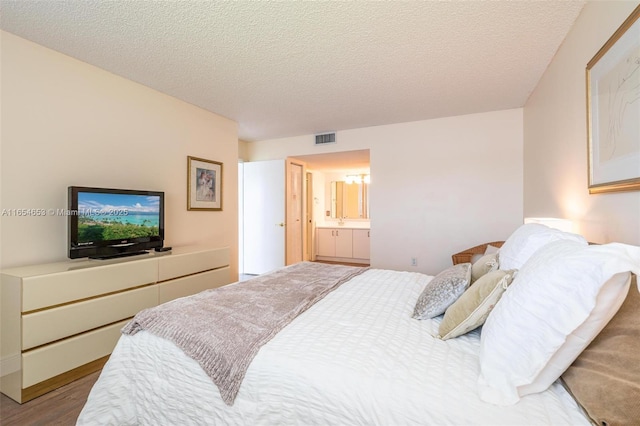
x=204 y=184
x=613 y=111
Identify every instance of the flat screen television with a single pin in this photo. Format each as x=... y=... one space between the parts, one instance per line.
x=106 y=222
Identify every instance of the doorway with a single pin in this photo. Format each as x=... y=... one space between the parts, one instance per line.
x=322 y=171
x=268 y=215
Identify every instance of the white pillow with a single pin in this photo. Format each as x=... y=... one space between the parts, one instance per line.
x=610 y=298
x=527 y=239
x=559 y=301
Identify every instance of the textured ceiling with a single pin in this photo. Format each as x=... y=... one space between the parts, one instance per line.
x=292 y=68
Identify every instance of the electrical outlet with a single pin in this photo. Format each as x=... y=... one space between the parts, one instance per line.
x=414 y=261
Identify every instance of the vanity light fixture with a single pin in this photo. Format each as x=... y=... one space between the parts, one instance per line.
x=357 y=179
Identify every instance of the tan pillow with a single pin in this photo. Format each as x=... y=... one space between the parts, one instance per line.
x=487 y=263
x=491 y=249
x=472 y=308
x=605 y=378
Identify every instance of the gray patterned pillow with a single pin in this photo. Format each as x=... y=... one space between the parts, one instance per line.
x=442 y=291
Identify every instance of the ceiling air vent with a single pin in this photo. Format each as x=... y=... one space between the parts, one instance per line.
x=325 y=138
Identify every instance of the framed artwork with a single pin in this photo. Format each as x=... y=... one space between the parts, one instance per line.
x=204 y=184
x=613 y=111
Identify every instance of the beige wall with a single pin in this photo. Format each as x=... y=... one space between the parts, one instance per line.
x=65 y=123
x=242 y=150
x=555 y=137
x=437 y=186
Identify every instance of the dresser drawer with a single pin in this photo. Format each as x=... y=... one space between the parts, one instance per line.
x=46 y=326
x=193 y=284
x=53 y=289
x=48 y=361
x=179 y=265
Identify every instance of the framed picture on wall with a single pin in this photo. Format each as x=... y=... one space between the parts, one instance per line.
x=613 y=111
x=204 y=184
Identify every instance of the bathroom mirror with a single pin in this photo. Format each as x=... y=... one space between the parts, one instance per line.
x=349 y=200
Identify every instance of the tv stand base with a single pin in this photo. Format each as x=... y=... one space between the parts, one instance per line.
x=116 y=256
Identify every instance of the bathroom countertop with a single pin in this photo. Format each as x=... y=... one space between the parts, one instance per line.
x=347 y=225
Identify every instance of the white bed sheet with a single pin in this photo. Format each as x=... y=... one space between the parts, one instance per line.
x=355 y=358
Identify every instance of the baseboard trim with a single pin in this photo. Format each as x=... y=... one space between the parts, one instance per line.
x=62 y=379
x=343 y=260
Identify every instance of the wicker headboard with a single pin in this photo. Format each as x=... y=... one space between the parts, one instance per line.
x=466 y=255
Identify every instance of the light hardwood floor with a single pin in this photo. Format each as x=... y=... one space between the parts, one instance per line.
x=59 y=407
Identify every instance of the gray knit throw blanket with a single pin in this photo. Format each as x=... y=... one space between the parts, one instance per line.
x=224 y=328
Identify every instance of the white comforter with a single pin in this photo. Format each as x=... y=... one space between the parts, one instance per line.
x=356 y=357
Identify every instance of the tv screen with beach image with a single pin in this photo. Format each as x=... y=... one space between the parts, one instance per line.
x=108 y=217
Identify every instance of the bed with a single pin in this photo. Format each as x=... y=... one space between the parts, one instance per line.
x=356 y=356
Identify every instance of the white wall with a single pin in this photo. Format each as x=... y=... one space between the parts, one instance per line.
x=320 y=183
x=65 y=122
x=555 y=137
x=437 y=186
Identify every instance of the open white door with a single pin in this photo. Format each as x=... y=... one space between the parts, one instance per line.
x=264 y=216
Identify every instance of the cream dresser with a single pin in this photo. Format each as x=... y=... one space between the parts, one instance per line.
x=62 y=320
